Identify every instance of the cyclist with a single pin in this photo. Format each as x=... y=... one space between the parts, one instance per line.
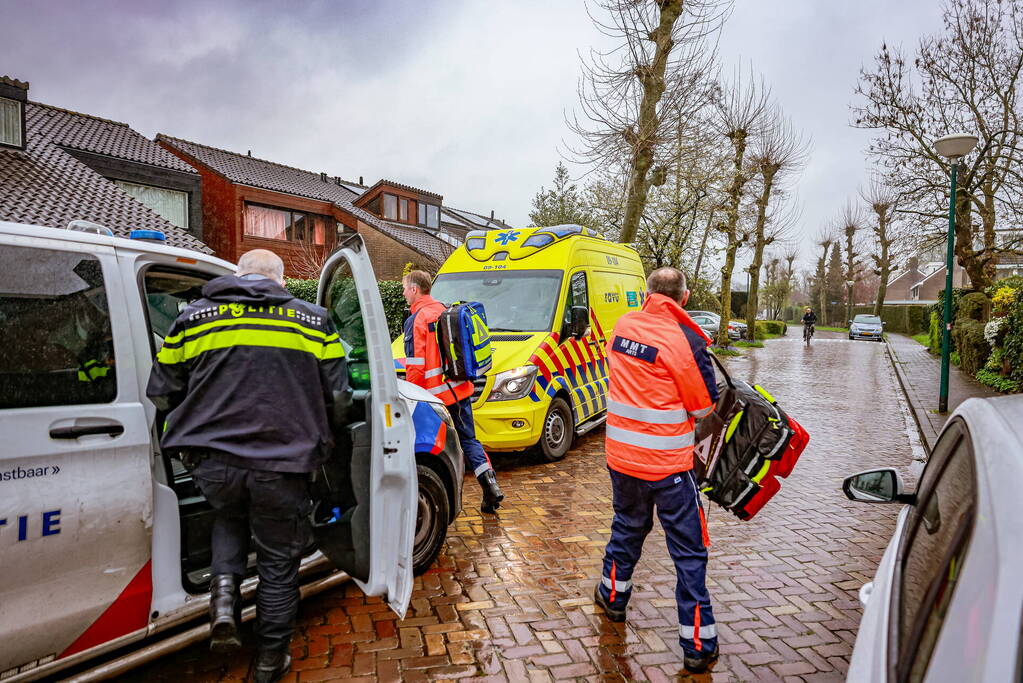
x=809 y=318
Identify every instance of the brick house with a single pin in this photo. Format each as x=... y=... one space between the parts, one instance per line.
x=252 y=203
x=57 y=166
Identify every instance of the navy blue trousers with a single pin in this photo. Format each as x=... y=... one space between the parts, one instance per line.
x=461 y=413
x=678 y=509
x=271 y=508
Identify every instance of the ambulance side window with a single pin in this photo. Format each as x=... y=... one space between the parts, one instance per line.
x=56 y=344
x=167 y=292
x=577 y=296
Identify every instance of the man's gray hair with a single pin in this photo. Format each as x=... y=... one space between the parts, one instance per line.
x=671 y=282
x=261 y=262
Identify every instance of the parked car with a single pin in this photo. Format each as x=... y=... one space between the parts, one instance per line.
x=712 y=323
x=868 y=327
x=946 y=601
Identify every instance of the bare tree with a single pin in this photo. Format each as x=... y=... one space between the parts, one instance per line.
x=635 y=96
x=882 y=201
x=825 y=239
x=739 y=109
x=778 y=153
x=969 y=80
x=849 y=223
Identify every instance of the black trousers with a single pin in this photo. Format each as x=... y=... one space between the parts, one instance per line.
x=271 y=508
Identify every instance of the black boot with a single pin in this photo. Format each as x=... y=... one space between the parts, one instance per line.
x=492 y=495
x=225 y=610
x=697 y=664
x=271 y=665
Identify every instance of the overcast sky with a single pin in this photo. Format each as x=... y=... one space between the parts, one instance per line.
x=466 y=99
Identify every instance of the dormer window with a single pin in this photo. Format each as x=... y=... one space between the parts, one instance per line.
x=390 y=207
x=12 y=120
x=429 y=215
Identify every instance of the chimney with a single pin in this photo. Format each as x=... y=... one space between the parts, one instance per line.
x=323 y=177
x=913 y=264
x=491 y=214
x=250 y=152
x=337 y=180
x=16 y=92
x=360 y=181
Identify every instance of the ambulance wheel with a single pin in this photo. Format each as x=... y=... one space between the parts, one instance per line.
x=557 y=433
x=432 y=514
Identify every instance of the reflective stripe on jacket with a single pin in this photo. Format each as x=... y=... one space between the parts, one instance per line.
x=661 y=381
x=250 y=371
x=422 y=354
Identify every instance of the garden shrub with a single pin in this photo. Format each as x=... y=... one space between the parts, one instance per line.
x=998 y=382
x=771 y=327
x=395 y=308
x=1012 y=347
x=974 y=306
x=934 y=334
x=970 y=343
x=994 y=361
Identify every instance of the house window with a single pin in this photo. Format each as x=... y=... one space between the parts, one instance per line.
x=170 y=204
x=429 y=215
x=10 y=122
x=403 y=210
x=284 y=224
x=390 y=206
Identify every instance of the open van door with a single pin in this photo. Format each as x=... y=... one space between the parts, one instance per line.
x=365 y=497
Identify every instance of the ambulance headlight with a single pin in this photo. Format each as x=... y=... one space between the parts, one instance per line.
x=513 y=384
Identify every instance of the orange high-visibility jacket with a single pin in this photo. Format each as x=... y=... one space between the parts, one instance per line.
x=661 y=380
x=423 y=362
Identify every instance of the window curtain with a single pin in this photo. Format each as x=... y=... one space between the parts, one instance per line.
x=170 y=204
x=262 y=221
x=10 y=122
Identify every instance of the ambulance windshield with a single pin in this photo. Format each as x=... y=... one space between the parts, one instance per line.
x=515 y=300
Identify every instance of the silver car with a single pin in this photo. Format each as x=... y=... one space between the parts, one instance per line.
x=868 y=327
x=710 y=322
x=947 y=600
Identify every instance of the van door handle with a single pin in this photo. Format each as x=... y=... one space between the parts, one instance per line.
x=75 y=431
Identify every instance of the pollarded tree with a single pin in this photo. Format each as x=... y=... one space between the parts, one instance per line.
x=882 y=201
x=634 y=97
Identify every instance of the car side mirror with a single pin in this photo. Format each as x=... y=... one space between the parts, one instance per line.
x=882 y=485
x=580 y=321
x=850 y=322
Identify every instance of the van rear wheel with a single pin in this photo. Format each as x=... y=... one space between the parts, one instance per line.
x=432 y=514
x=557 y=433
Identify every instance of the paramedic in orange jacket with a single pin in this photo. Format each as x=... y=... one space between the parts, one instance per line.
x=423 y=367
x=661 y=381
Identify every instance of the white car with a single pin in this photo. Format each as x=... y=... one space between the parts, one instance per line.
x=947 y=600
x=104 y=539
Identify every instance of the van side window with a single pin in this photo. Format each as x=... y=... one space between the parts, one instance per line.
x=56 y=344
x=167 y=293
x=577 y=296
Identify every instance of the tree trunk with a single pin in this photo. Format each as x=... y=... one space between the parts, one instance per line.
x=967 y=256
x=643 y=143
x=731 y=230
x=703 y=247
x=752 y=302
x=726 y=291
x=884 y=262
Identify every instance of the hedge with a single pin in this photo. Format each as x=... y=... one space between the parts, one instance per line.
x=1012 y=347
x=395 y=308
x=770 y=327
x=973 y=348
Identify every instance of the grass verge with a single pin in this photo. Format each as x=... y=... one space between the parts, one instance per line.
x=830 y=329
x=751 y=344
x=924 y=339
x=724 y=351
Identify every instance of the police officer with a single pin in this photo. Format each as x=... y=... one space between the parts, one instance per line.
x=423 y=367
x=247 y=376
x=661 y=380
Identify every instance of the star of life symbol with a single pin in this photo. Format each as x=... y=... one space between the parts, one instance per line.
x=504 y=238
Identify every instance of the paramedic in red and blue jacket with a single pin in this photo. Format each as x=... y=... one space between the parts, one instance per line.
x=423 y=367
x=661 y=381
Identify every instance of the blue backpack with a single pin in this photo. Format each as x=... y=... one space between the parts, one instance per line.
x=464 y=341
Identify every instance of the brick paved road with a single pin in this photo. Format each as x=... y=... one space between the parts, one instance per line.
x=509 y=598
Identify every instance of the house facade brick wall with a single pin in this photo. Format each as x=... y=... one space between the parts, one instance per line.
x=390 y=256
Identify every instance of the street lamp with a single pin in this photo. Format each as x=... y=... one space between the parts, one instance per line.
x=954 y=148
x=849 y=300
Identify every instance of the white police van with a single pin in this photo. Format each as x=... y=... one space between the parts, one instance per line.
x=104 y=540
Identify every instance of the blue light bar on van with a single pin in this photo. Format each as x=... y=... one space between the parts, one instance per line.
x=560 y=231
x=539 y=240
x=148 y=235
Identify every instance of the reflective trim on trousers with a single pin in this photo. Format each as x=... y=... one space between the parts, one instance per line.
x=657 y=443
x=483 y=467
x=704 y=412
x=412 y=360
x=706 y=631
x=616 y=585
x=649 y=415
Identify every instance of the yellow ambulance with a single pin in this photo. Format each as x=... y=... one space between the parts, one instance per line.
x=552 y=296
